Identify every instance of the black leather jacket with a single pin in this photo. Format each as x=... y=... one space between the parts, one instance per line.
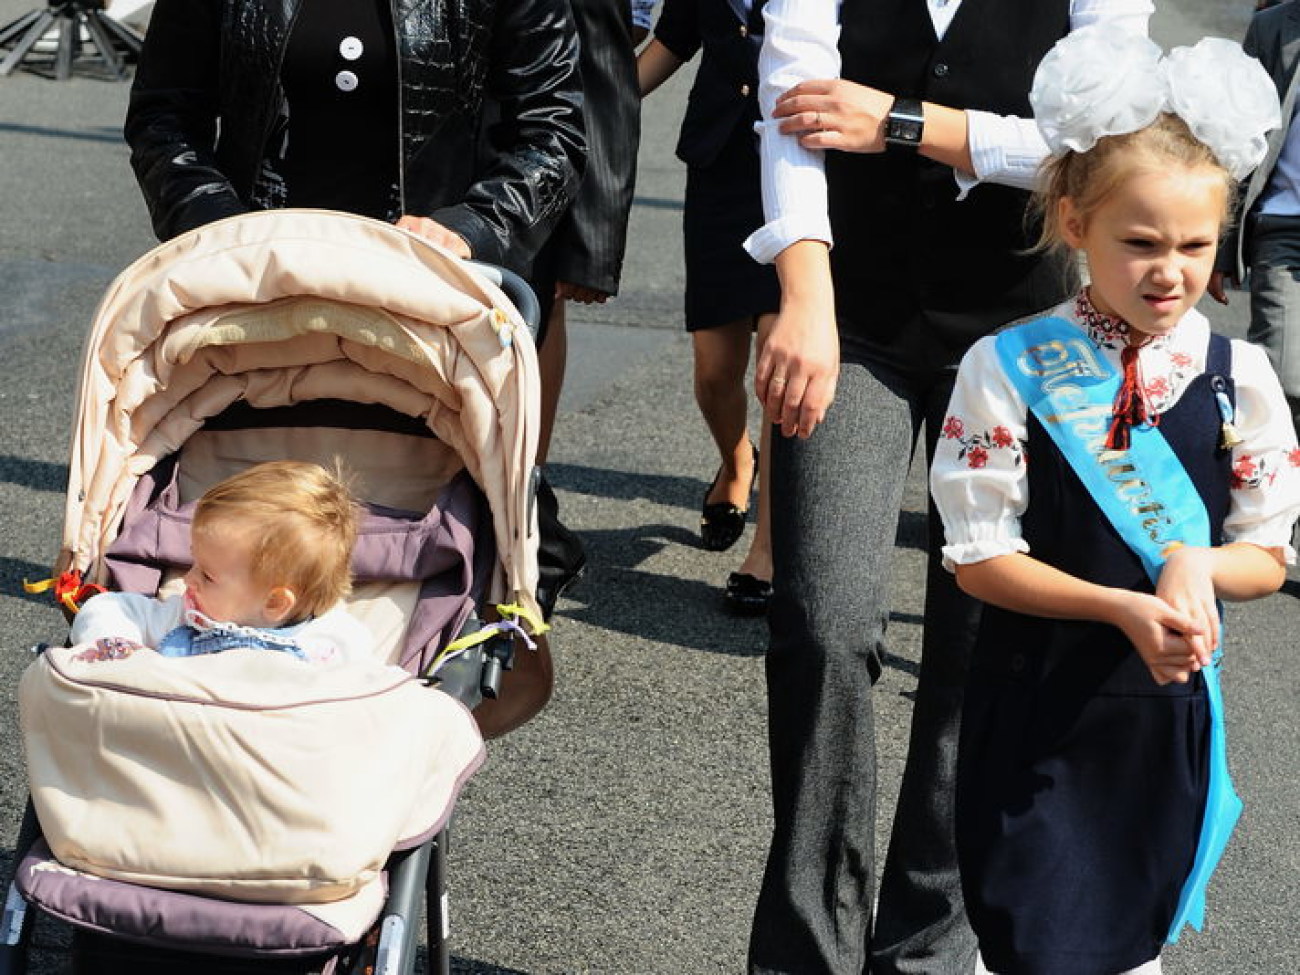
x=207 y=96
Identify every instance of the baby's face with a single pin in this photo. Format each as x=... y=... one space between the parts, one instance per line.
x=221 y=585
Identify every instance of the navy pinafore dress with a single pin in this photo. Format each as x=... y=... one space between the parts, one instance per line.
x=1081 y=782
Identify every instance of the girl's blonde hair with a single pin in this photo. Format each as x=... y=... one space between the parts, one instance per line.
x=1089 y=178
x=301 y=522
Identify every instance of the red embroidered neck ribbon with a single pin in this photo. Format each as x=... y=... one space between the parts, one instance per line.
x=1131 y=408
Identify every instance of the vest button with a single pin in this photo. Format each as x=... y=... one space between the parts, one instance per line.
x=1018 y=663
x=744 y=30
x=744 y=90
x=941 y=70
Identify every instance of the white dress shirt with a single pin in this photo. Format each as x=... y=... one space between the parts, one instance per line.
x=800 y=44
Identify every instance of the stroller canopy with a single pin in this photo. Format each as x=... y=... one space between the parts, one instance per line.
x=283 y=307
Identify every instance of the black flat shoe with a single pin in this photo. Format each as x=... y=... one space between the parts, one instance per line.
x=721 y=522
x=747 y=595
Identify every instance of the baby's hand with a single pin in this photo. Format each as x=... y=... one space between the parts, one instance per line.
x=1166 y=638
x=108 y=648
x=1187 y=584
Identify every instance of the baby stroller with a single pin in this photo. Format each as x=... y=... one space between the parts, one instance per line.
x=305 y=335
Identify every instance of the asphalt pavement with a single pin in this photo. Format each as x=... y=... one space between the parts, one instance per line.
x=621 y=832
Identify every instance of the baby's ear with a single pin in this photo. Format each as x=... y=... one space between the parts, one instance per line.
x=280 y=604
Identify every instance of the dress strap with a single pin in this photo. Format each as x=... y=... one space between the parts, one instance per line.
x=1218 y=356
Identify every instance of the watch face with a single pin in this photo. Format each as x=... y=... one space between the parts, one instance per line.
x=905 y=130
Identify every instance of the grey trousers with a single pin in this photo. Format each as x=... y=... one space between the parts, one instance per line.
x=836 y=499
x=1275 y=299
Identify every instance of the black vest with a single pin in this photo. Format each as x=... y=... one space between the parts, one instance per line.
x=919 y=273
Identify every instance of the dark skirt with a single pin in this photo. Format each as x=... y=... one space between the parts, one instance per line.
x=724 y=205
x=1077 y=817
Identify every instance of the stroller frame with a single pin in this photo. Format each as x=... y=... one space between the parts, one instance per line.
x=416 y=877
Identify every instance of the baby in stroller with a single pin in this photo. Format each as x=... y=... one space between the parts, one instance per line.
x=272 y=549
x=241 y=806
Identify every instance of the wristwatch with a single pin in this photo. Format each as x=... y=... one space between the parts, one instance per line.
x=905 y=124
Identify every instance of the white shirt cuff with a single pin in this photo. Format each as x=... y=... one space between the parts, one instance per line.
x=981 y=550
x=1003 y=149
x=772 y=238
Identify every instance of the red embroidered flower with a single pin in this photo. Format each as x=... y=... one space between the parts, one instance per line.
x=1157 y=388
x=953 y=428
x=1002 y=437
x=1294 y=457
x=1181 y=359
x=1244 y=468
x=977 y=457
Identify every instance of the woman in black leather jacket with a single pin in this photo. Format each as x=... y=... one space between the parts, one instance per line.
x=459 y=119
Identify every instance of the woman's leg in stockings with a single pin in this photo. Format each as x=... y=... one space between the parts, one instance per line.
x=721 y=356
x=758 y=560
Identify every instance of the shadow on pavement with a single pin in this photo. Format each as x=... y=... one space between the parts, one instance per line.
x=622 y=598
x=467 y=966
x=675 y=491
x=14 y=572
x=678 y=492
x=103 y=133
x=36 y=474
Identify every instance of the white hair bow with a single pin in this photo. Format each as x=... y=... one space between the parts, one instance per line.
x=1106 y=80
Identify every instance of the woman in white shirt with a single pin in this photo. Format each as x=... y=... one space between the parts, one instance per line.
x=929 y=255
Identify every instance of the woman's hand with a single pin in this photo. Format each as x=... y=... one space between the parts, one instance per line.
x=566 y=290
x=436 y=232
x=835 y=114
x=799 y=358
x=1167 y=639
x=1217 y=286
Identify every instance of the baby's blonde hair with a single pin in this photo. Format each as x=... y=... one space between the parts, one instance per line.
x=301 y=522
x=1090 y=178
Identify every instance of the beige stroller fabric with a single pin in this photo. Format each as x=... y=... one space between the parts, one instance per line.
x=277 y=307
x=247 y=775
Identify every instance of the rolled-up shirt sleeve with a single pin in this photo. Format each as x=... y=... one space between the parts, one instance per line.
x=800 y=43
x=978 y=479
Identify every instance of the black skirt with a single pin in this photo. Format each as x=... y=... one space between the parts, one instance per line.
x=724 y=205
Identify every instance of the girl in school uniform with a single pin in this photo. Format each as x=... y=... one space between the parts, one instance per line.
x=1106 y=473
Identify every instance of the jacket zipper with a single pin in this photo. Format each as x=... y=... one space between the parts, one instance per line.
x=401 y=141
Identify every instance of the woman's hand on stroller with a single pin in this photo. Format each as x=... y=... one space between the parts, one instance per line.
x=432 y=230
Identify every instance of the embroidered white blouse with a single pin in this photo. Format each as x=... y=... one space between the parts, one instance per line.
x=979 y=479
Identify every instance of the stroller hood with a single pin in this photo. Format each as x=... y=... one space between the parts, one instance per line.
x=281 y=307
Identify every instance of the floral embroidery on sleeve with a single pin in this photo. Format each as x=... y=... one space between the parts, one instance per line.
x=1257 y=472
x=976 y=447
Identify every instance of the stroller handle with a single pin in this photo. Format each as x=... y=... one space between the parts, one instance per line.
x=519 y=291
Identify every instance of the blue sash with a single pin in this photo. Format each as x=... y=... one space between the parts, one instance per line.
x=1071 y=388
